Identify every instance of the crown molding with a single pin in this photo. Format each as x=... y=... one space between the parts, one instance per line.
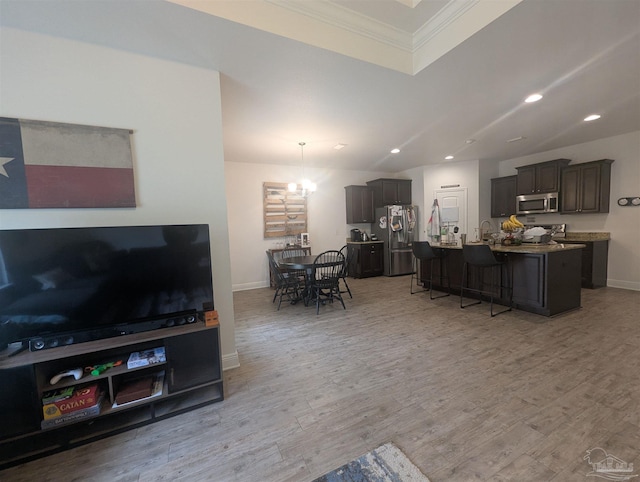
x=336 y=15
x=409 y=3
x=452 y=25
x=440 y=21
x=329 y=25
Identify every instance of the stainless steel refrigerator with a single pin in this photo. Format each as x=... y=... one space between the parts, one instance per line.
x=397 y=226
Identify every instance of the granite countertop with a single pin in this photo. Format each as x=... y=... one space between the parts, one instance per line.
x=598 y=236
x=364 y=242
x=533 y=248
x=527 y=248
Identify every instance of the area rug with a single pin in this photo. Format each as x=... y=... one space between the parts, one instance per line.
x=387 y=463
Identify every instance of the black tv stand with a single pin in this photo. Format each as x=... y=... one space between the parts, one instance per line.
x=193 y=378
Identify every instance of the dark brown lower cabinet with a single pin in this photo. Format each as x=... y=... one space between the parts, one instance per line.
x=367 y=260
x=594 y=263
x=545 y=283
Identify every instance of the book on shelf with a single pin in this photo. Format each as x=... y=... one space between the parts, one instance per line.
x=144 y=358
x=139 y=389
x=82 y=398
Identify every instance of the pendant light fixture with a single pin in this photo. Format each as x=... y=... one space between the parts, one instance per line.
x=308 y=187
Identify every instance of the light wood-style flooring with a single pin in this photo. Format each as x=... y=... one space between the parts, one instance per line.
x=518 y=397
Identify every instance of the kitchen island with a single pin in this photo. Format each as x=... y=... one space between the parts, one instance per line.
x=546 y=277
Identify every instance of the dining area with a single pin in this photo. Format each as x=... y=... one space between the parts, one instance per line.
x=302 y=278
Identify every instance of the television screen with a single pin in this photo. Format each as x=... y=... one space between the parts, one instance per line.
x=101 y=279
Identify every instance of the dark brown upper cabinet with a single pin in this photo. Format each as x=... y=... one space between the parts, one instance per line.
x=390 y=191
x=540 y=178
x=503 y=196
x=359 y=201
x=586 y=187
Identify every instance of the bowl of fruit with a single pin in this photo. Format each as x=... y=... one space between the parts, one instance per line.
x=511 y=231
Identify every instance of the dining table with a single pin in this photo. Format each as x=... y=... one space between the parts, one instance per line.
x=308 y=265
x=301 y=263
x=298 y=262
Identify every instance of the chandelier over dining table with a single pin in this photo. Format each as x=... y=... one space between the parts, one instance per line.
x=307 y=187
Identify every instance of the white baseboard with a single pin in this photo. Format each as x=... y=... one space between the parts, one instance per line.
x=250 y=286
x=625 y=285
x=230 y=360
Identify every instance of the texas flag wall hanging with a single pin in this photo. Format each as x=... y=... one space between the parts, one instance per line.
x=56 y=165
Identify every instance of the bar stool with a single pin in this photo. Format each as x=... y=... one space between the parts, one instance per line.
x=423 y=251
x=483 y=259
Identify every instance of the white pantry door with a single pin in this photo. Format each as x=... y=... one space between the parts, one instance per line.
x=453 y=209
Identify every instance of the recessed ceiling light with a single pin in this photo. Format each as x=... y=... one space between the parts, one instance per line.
x=533 y=98
x=395 y=151
x=592 y=117
x=337 y=147
x=448 y=158
x=516 y=139
x=469 y=141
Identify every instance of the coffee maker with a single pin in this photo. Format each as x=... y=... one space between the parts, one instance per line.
x=356 y=235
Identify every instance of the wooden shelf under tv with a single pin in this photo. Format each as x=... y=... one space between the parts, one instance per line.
x=31 y=357
x=193 y=378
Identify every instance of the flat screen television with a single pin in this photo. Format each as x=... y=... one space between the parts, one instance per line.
x=68 y=285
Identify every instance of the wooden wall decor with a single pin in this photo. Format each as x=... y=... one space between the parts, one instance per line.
x=285 y=213
x=56 y=165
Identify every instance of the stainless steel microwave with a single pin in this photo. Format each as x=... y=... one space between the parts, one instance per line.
x=537 y=203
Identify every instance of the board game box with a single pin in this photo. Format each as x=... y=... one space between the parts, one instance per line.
x=73 y=416
x=82 y=398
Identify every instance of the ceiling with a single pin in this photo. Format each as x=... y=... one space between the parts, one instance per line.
x=466 y=100
x=431 y=77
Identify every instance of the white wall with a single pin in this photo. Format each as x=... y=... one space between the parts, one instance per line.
x=417 y=188
x=622 y=222
x=175 y=113
x=326 y=214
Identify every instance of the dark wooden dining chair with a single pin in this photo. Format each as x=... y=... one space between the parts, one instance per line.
x=325 y=278
x=293 y=253
x=287 y=284
x=348 y=253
